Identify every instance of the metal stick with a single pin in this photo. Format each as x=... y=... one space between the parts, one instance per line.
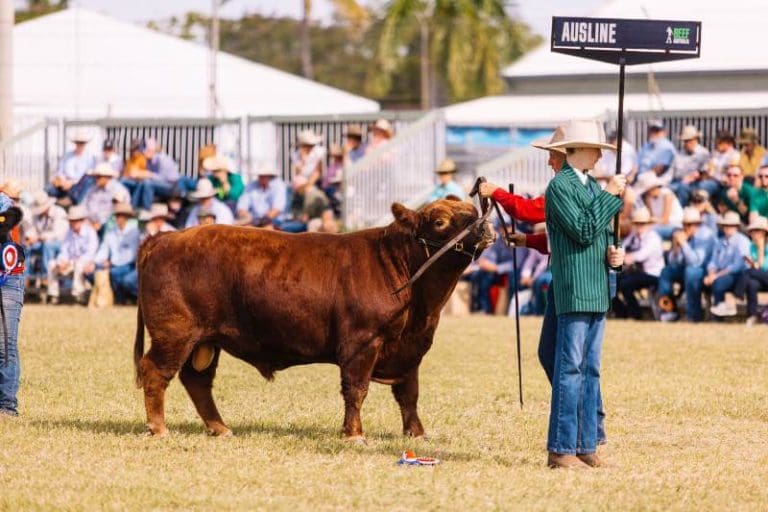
x=517 y=310
x=619 y=139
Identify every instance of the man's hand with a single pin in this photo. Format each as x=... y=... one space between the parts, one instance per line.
x=615 y=256
x=709 y=279
x=616 y=185
x=690 y=178
x=487 y=189
x=89 y=267
x=733 y=194
x=517 y=239
x=679 y=237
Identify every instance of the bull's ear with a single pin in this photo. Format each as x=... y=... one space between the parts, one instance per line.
x=405 y=217
x=451 y=197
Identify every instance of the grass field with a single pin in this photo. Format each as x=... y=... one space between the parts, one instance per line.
x=687 y=424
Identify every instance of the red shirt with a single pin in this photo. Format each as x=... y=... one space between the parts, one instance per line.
x=526 y=210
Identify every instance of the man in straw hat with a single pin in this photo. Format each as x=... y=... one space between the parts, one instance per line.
x=73 y=168
x=663 y=204
x=156 y=220
x=354 y=147
x=755 y=279
x=308 y=159
x=578 y=215
x=205 y=195
x=690 y=170
x=263 y=201
x=228 y=183
x=727 y=264
x=724 y=155
x=381 y=132
x=692 y=248
x=98 y=199
x=644 y=261
x=46 y=229
x=118 y=250
x=447 y=186
x=77 y=254
x=752 y=153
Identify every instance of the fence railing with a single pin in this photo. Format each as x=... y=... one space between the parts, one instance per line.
x=24 y=157
x=526 y=168
x=402 y=170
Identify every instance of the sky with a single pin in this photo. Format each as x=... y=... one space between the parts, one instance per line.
x=537 y=13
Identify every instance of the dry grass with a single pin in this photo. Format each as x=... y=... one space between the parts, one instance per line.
x=687 y=426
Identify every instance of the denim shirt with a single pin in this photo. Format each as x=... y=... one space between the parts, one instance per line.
x=81 y=246
x=220 y=210
x=729 y=254
x=654 y=153
x=98 y=201
x=697 y=251
x=74 y=167
x=119 y=247
x=442 y=191
x=165 y=168
x=259 y=201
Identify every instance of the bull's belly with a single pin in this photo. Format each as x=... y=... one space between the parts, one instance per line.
x=269 y=358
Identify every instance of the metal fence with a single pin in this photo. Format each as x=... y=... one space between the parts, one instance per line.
x=25 y=156
x=525 y=167
x=402 y=170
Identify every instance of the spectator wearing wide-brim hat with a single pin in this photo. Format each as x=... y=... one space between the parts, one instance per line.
x=118 y=251
x=755 y=278
x=110 y=156
x=691 y=167
x=381 y=132
x=663 y=204
x=205 y=197
x=70 y=180
x=308 y=159
x=98 y=201
x=45 y=229
x=752 y=152
x=76 y=256
x=354 y=147
x=156 y=220
x=227 y=182
x=724 y=155
x=727 y=263
x=264 y=200
x=447 y=185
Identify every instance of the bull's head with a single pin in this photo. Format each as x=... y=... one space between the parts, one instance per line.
x=437 y=223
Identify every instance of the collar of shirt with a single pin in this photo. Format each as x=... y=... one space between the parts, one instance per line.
x=581 y=175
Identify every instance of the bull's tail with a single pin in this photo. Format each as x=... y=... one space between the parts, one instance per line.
x=138 y=346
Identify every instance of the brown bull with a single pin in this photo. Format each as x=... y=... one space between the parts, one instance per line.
x=277 y=300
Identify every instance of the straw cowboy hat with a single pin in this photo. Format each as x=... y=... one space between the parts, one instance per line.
x=308 y=138
x=384 y=126
x=267 y=170
x=124 y=209
x=41 y=203
x=691 y=215
x=354 y=130
x=641 y=216
x=12 y=188
x=80 y=135
x=556 y=136
x=748 y=135
x=582 y=134
x=218 y=163
x=103 y=169
x=729 y=219
x=759 y=224
x=447 y=166
x=156 y=211
x=204 y=190
x=647 y=181
x=689 y=132
x=77 y=213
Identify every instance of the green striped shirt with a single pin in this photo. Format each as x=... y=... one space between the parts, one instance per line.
x=579 y=227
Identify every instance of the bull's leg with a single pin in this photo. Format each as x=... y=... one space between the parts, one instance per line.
x=155 y=378
x=199 y=385
x=355 y=378
x=407 y=394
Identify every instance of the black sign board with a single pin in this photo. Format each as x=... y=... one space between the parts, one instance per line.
x=636 y=41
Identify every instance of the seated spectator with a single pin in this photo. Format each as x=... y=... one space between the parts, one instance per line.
x=700 y=200
x=690 y=170
x=263 y=201
x=535 y=274
x=752 y=153
x=206 y=217
x=110 y=156
x=758 y=203
x=136 y=163
x=156 y=220
x=755 y=278
x=727 y=264
x=493 y=265
x=607 y=163
x=382 y=132
x=354 y=147
x=447 y=186
x=206 y=151
x=227 y=183
x=157 y=181
x=98 y=200
x=308 y=207
x=658 y=154
x=205 y=195
x=118 y=251
x=308 y=159
x=691 y=250
x=643 y=263
x=332 y=179
x=76 y=256
x=71 y=179
x=663 y=204
x=45 y=230
x=736 y=194
x=724 y=156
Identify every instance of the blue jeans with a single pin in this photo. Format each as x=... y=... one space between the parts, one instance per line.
x=547 y=342
x=573 y=416
x=10 y=370
x=724 y=284
x=119 y=276
x=691 y=279
x=144 y=192
x=131 y=283
x=683 y=191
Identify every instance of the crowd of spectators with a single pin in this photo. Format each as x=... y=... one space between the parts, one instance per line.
x=97 y=209
x=693 y=227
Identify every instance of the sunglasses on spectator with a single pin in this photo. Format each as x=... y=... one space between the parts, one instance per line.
x=762 y=176
x=733 y=175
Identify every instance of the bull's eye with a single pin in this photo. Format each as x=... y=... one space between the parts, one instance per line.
x=441 y=223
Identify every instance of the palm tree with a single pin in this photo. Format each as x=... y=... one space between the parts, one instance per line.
x=463 y=43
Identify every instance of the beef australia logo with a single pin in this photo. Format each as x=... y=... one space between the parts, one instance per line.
x=584 y=32
x=678 y=35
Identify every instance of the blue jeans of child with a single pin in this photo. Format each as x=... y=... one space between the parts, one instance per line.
x=10 y=370
x=547 y=341
x=691 y=279
x=573 y=416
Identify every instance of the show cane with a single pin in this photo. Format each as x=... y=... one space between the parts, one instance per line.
x=517 y=310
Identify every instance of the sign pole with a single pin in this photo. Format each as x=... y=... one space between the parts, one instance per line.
x=619 y=139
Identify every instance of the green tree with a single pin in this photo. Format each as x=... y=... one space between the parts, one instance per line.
x=37 y=8
x=462 y=46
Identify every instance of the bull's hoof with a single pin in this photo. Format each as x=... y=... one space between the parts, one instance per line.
x=156 y=433
x=359 y=440
x=220 y=432
x=416 y=434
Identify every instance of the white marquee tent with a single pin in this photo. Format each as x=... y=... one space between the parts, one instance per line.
x=79 y=63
